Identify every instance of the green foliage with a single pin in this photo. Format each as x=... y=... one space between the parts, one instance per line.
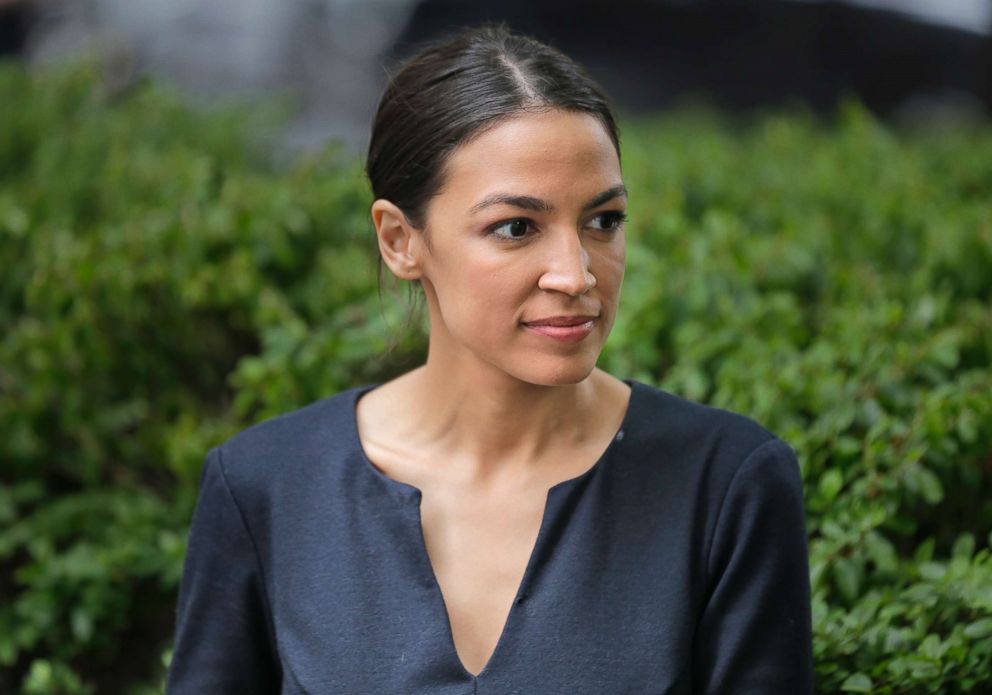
x=163 y=285
x=836 y=284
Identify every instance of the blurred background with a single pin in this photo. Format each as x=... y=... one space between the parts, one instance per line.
x=902 y=58
x=185 y=249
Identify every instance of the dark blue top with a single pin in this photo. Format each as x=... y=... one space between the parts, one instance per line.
x=676 y=564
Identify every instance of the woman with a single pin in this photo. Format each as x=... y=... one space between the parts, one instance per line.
x=506 y=518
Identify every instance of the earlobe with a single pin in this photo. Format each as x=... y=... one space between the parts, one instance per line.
x=397 y=240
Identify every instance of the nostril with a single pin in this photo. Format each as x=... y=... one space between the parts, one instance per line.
x=571 y=284
x=568 y=271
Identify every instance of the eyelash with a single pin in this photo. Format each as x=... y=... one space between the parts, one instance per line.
x=618 y=219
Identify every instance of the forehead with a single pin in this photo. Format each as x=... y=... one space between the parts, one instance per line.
x=555 y=155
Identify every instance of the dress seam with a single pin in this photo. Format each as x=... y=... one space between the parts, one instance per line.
x=723 y=501
x=261 y=570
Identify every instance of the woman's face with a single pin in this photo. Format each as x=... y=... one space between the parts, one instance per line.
x=525 y=248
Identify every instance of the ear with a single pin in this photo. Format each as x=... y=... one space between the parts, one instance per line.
x=398 y=240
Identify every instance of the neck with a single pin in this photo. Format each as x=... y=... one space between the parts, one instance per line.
x=498 y=425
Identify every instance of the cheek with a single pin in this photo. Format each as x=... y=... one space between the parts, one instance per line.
x=608 y=268
x=481 y=292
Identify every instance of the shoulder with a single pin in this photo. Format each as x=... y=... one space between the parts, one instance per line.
x=667 y=421
x=701 y=445
x=285 y=446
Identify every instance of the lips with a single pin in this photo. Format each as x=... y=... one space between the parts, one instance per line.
x=564 y=329
x=557 y=321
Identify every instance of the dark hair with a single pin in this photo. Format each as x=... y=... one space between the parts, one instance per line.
x=453 y=90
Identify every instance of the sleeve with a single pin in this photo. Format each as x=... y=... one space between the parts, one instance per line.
x=755 y=631
x=224 y=641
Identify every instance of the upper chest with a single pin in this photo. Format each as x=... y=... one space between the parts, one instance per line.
x=479 y=548
x=367 y=578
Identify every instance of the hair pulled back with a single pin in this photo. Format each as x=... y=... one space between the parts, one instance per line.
x=452 y=91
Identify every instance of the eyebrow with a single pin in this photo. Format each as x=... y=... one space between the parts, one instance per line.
x=536 y=204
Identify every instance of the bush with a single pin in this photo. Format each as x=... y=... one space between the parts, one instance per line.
x=163 y=285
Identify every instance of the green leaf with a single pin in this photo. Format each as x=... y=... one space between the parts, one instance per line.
x=82 y=625
x=848 y=575
x=967 y=426
x=830 y=484
x=881 y=552
x=932 y=571
x=945 y=353
x=979 y=629
x=857 y=683
x=964 y=546
x=924 y=551
x=931 y=647
x=930 y=487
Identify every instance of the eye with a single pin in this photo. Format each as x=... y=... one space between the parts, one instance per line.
x=511 y=229
x=613 y=220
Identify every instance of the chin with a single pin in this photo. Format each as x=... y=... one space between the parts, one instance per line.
x=555 y=372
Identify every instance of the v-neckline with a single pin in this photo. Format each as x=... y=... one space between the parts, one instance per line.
x=413 y=496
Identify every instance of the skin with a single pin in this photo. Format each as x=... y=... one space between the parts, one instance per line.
x=499 y=413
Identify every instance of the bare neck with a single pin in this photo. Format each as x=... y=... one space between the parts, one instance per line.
x=491 y=426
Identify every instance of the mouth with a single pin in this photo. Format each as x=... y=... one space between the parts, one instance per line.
x=565 y=329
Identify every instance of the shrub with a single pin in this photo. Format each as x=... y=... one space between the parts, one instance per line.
x=163 y=285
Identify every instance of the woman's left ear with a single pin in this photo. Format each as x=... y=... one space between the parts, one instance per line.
x=398 y=240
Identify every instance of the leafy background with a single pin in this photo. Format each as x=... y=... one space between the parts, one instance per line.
x=164 y=283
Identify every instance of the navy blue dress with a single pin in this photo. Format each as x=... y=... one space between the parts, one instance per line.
x=677 y=563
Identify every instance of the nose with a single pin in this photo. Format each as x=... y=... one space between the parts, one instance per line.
x=567 y=268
